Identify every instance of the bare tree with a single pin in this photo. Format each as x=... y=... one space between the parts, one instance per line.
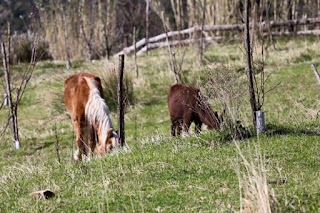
x=201 y=44
x=147 y=23
x=173 y=63
x=135 y=51
x=249 y=62
x=12 y=107
x=13 y=102
x=318 y=8
x=109 y=34
x=66 y=38
x=87 y=36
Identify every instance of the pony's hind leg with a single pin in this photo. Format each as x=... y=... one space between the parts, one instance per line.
x=198 y=125
x=176 y=127
x=179 y=127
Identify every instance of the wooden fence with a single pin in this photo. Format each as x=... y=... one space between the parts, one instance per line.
x=189 y=36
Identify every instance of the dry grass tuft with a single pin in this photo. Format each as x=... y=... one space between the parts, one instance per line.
x=252 y=175
x=109 y=79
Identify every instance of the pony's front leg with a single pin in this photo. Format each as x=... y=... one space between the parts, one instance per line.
x=92 y=142
x=179 y=127
x=79 y=140
x=173 y=129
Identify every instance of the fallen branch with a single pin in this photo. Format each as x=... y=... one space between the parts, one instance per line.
x=176 y=43
x=315 y=70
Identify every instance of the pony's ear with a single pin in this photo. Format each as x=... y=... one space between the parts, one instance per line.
x=110 y=133
x=97 y=79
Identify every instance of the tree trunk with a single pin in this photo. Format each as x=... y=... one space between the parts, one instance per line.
x=105 y=20
x=12 y=107
x=9 y=47
x=288 y=6
x=135 y=51
x=147 y=23
x=201 y=44
x=66 y=39
x=249 y=62
x=318 y=8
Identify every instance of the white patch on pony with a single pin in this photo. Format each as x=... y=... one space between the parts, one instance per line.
x=76 y=154
x=97 y=110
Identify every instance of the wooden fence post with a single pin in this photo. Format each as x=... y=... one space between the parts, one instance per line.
x=121 y=104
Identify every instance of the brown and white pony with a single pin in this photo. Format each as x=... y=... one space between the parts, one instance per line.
x=186 y=105
x=90 y=115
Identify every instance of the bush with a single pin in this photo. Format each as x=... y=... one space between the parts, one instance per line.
x=110 y=83
x=225 y=86
x=22 y=48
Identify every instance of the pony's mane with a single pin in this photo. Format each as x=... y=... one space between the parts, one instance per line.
x=97 y=110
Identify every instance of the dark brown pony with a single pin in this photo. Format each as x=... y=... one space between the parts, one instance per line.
x=90 y=115
x=186 y=105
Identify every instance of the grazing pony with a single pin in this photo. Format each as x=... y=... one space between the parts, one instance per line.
x=186 y=105
x=90 y=115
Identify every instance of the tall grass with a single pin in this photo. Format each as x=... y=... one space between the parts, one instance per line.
x=251 y=170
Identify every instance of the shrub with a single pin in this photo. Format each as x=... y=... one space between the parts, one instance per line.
x=224 y=85
x=22 y=48
x=109 y=83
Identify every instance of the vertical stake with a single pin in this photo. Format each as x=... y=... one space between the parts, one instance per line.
x=120 y=108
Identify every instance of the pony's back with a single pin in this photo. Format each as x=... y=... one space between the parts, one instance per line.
x=181 y=97
x=77 y=90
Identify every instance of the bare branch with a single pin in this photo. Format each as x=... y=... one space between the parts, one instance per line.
x=272 y=88
x=315 y=70
x=26 y=76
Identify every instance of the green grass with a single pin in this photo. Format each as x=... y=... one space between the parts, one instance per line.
x=158 y=173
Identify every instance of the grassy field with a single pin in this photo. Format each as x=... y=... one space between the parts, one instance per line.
x=277 y=171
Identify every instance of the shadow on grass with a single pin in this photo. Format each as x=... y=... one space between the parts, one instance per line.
x=276 y=129
x=43 y=146
x=302 y=202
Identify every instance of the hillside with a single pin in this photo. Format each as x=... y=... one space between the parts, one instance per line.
x=158 y=173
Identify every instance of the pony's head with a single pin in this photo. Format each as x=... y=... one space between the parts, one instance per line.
x=215 y=120
x=110 y=144
x=212 y=120
x=207 y=115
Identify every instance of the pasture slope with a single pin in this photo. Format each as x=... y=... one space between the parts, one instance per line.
x=204 y=173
